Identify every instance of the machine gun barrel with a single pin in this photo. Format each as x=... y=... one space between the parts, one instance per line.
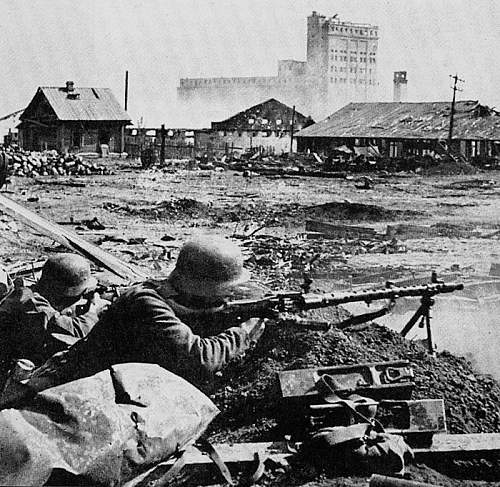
x=313 y=301
x=294 y=301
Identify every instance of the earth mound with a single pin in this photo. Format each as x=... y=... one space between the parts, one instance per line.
x=247 y=393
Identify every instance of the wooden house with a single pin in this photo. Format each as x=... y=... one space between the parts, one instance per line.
x=73 y=119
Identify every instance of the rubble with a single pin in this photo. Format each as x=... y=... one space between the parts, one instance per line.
x=174 y=208
x=50 y=163
x=469 y=184
x=347 y=210
x=280 y=258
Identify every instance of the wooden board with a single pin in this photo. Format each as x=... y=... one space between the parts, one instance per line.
x=477 y=444
x=340 y=231
x=239 y=455
x=71 y=241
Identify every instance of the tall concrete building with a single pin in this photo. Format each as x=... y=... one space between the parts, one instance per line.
x=341 y=62
x=341 y=67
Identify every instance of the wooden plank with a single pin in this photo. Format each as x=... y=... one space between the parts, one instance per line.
x=340 y=231
x=443 y=444
x=477 y=444
x=71 y=240
x=244 y=454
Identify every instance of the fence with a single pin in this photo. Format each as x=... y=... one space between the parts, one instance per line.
x=179 y=151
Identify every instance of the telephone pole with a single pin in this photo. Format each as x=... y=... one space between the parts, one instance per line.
x=126 y=90
x=455 y=88
x=292 y=123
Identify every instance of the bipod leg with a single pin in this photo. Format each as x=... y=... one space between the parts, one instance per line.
x=427 y=317
x=413 y=320
x=423 y=311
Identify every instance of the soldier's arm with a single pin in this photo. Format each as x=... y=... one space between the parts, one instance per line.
x=173 y=345
x=55 y=322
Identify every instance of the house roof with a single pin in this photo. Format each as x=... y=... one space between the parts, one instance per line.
x=91 y=104
x=268 y=115
x=9 y=122
x=428 y=120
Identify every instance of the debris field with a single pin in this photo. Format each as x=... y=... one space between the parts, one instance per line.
x=404 y=226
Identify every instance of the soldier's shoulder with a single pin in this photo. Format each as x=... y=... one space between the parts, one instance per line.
x=22 y=299
x=141 y=291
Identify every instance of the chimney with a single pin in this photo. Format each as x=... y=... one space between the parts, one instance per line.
x=400 y=84
x=70 y=86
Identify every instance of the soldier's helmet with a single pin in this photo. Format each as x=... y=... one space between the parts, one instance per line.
x=209 y=266
x=67 y=275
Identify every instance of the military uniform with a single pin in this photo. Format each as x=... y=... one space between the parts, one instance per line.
x=146 y=325
x=27 y=324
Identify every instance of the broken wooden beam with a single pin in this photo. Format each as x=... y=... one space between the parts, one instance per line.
x=238 y=456
x=411 y=231
x=62 y=182
x=474 y=444
x=71 y=241
x=463 y=445
x=338 y=231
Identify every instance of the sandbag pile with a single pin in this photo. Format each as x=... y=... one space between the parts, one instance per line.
x=50 y=163
x=104 y=430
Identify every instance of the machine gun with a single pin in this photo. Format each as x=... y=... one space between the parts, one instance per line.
x=295 y=301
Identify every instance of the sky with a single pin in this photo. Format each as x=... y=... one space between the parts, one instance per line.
x=93 y=43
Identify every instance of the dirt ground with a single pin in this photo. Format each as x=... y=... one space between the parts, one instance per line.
x=147 y=214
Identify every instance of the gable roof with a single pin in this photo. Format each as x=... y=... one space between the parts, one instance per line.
x=427 y=120
x=92 y=104
x=263 y=116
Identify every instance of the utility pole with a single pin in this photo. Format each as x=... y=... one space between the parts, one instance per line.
x=162 y=146
x=126 y=90
x=125 y=106
x=292 y=123
x=455 y=89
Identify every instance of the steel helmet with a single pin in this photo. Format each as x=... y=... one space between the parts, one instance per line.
x=67 y=275
x=209 y=266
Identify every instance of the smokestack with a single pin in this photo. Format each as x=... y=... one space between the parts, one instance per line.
x=400 y=84
x=70 y=86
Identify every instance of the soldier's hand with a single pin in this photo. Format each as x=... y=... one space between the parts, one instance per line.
x=254 y=328
x=97 y=305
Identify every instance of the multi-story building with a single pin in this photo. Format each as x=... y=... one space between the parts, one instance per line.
x=341 y=62
x=341 y=67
